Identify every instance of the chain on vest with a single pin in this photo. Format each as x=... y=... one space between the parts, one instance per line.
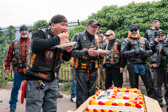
x=113 y=55
x=17 y=60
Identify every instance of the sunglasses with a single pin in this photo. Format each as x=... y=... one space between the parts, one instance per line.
x=133 y=30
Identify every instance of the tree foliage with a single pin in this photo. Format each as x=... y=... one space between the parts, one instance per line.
x=76 y=29
x=120 y=18
x=1 y=32
x=38 y=25
x=9 y=34
x=5 y=40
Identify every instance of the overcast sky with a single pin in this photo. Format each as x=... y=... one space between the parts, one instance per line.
x=17 y=12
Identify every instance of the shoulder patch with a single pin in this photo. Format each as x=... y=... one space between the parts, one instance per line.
x=84 y=38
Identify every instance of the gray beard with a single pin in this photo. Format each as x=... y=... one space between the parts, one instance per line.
x=134 y=36
x=24 y=36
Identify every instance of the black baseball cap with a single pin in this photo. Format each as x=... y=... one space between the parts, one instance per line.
x=93 y=22
x=100 y=31
x=23 y=27
x=58 y=19
x=133 y=26
x=159 y=33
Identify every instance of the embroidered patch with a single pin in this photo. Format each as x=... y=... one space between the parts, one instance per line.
x=42 y=75
x=85 y=48
x=49 y=55
x=84 y=37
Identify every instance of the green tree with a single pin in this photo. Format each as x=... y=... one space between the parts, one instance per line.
x=120 y=18
x=74 y=30
x=5 y=40
x=38 y=25
x=10 y=34
x=1 y=33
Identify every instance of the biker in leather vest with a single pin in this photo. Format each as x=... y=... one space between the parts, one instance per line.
x=150 y=34
x=85 y=42
x=136 y=50
x=44 y=64
x=86 y=61
x=159 y=65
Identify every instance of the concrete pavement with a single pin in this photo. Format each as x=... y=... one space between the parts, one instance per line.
x=63 y=105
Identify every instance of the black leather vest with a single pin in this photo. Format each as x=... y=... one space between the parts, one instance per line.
x=45 y=64
x=88 y=62
x=114 y=54
x=151 y=34
x=17 y=60
x=136 y=44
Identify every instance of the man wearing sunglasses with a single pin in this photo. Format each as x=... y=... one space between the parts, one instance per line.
x=158 y=63
x=136 y=50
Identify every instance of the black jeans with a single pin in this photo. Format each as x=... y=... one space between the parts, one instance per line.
x=159 y=78
x=85 y=86
x=113 y=75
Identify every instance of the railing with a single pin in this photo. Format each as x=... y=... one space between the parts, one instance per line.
x=64 y=73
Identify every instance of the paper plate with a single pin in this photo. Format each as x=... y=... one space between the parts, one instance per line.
x=102 y=51
x=65 y=45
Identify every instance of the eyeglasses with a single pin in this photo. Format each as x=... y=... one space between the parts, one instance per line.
x=133 y=30
x=161 y=35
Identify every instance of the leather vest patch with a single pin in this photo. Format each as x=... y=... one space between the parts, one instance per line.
x=49 y=54
x=135 y=43
x=114 y=55
x=17 y=55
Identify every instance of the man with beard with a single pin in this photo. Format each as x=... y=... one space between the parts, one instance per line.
x=136 y=50
x=17 y=54
x=86 y=61
x=159 y=63
x=150 y=34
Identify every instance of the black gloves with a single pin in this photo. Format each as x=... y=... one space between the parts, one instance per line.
x=139 y=51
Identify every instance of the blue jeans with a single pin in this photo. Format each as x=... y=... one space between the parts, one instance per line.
x=73 y=84
x=18 y=78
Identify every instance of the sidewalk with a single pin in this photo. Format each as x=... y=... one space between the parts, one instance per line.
x=63 y=104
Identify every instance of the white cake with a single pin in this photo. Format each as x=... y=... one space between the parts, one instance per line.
x=117 y=100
